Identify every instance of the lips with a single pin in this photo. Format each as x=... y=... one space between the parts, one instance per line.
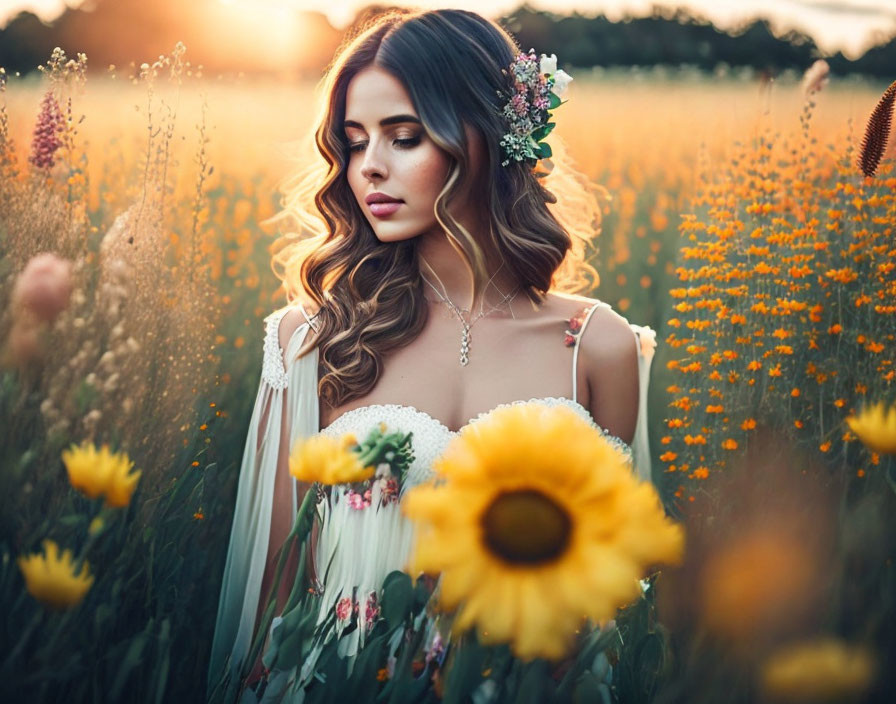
x=384 y=208
x=381 y=198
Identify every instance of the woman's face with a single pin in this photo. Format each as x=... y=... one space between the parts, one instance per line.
x=391 y=157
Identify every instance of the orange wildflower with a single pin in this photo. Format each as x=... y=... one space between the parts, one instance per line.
x=729 y=444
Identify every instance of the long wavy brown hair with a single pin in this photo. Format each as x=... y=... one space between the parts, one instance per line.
x=370 y=293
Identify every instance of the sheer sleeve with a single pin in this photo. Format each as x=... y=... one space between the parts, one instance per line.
x=646 y=341
x=286 y=406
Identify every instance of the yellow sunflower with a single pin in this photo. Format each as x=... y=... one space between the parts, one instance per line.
x=536 y=521
x=876 y=428
x=327 y=460
x=51 y=578
x=97 y=472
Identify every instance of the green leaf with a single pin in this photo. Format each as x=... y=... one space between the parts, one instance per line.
x=398 y=596
x=132 y=659
x=554 y=101
x=533 y=684
x=465 y=673
x=590 y=690
x=160 y=677
x=544 y=151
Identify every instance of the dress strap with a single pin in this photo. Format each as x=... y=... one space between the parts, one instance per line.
x=304 y=313
x=573 y=333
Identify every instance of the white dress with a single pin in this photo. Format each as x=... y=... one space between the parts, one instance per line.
x=360 y=545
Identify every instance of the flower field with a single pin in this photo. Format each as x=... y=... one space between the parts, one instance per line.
x=740 y=227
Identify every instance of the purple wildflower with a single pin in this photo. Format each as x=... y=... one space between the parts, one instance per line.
x=46 y=139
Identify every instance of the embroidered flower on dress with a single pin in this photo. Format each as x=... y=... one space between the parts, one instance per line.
x=371 y=610
x=574 y=327
x=389 y=491
x=356 y=500
x=344 y=608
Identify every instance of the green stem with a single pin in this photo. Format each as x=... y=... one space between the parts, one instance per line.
x=375 y=452
x=21 y=641
x=308 y=502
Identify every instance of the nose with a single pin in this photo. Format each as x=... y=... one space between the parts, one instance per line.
x=373 y=167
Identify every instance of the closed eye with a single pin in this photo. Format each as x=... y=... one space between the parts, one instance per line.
x=402 y=143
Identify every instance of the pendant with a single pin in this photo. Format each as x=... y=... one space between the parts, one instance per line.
x=465 y=347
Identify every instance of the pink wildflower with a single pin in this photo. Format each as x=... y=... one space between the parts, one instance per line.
x=520 y=105
x=436 y=649
x=24 y=344
x=44 y=287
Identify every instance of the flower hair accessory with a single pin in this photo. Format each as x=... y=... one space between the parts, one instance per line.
x=537 y=87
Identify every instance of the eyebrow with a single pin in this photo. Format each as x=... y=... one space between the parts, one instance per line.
x=393 y=120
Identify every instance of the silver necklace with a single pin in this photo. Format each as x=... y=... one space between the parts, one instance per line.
x=467 y=326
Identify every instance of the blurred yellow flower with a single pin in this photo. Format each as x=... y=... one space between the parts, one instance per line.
x=536 y=521
x=101 y=472
x=876 y=428
x=822 y=670
x=327 y=460
x=51 y=578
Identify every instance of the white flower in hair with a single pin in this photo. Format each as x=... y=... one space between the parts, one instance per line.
x=530 y=99
x=561 y=81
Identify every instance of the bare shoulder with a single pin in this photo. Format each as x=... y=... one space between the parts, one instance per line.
x=608 y=349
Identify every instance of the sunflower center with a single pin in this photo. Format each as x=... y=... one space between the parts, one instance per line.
x=526 y=527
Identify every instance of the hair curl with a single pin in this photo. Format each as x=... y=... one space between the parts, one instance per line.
x=370 y=293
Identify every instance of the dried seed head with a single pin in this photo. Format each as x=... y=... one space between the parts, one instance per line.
x=877 y=132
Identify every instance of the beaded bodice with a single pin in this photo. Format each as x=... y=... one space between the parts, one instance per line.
x=431 y=436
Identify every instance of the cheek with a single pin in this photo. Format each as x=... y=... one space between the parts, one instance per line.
x=355 y=181
x=428 y=172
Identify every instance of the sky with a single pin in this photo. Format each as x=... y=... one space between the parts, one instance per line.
x=850 y=26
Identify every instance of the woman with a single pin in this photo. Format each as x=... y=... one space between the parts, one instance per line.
x=433 y=295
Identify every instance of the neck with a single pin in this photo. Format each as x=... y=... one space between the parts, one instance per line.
x=444 y=267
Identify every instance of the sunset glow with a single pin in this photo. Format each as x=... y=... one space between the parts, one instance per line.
x=850 y=26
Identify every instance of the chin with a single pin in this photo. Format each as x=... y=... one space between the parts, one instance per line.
x=388 y=234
